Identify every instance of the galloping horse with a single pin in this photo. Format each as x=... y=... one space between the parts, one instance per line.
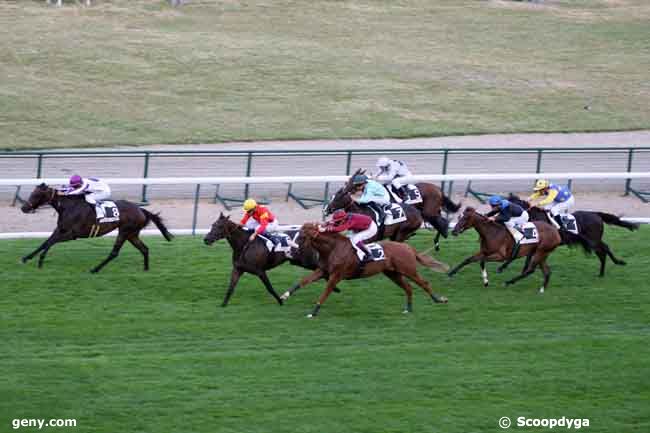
x=254 y=257
x=433 y=201
x=591 y=225
x=338 y=261
x=497 y=245
x=77 y=219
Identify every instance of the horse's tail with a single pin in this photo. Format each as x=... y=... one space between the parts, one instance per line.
x=431 y=263
x=571 y=240
x=449 y=205
x=608 y=218
x=157 y=220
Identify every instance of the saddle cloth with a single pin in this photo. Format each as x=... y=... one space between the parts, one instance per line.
x=279 y=242
x=569 y=223
x=111 y=212
x=530 y=233
x=413 y=195
x=376 y=252
x=393 y=214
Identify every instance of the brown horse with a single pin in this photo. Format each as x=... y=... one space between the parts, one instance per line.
x=77 y=220
x=497 y=245
x=433 y=201
x=338 y=261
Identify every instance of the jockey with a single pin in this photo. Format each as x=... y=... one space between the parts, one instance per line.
x=390 y=172
x=362 y=227
x=511 y=215
x=372 y=193
x=556 y=199
x=95 y=190
x=258 y=218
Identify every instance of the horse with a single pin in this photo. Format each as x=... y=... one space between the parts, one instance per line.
x=591 y=225
x=77 y=219
x=433 y=201
x=254 y=257
x=497 y=245
x=338 y=261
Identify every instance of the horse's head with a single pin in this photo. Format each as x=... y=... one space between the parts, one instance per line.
x=41 y=195
x=308 y=233
x=466 y=221
x=340 y=200
x=220 y=229
x=514 y=198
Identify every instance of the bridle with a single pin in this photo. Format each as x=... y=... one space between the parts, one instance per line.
x=49 y=200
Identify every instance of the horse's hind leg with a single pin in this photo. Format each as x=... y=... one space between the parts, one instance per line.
x=611 y=254
x=546 y=270
x=417 y=278
x=114 y=252
x=137 y=243
x=398 y=279
x=537 y=258
x=267 y=283
x=484 y=274
x=602 y=256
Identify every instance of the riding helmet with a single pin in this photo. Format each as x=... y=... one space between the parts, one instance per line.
x=249 y=205
x=541 y=184
x=495 y=200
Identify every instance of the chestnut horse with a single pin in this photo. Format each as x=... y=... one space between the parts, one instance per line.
x=338 y=261
x=497 y=245
x=433 y=201
x=77 y=219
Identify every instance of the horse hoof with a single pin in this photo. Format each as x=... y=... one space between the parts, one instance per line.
x=336 y=290
x=541 y=290
x=437 y=247
x=280 y=302
x=310 y=316
x=486 y=284
x=499 y=270
x=450 y=274
x=405 y=312
x=285 y=296
x=442 y=300
x=23 y=260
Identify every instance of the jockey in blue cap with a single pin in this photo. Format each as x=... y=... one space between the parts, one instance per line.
x=370 y=192
x=511 y=215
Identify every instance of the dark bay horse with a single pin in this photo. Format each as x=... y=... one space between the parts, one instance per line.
x=433 y=201
x=77 y=220
x=497 y=245
x=254 y=257
x=338 y=261
x=590 y=225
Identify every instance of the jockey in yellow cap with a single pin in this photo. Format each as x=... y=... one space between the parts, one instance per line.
x=554 y=198
x=258 y=218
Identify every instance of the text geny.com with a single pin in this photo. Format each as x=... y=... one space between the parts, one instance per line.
x=40 y=423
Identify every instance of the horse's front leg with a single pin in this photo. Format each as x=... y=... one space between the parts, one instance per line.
x=267 y=283
x=331 y=283
x=471 y=259
x=314 y=276
x=48 y=243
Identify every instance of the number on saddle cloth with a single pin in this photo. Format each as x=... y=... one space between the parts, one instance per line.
x=395 y=214
x=111 y=212
x=569 y=223
x=529 y=230
x=376 y=252
x=413 y=195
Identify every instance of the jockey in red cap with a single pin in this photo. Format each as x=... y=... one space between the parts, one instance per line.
x=361 y=226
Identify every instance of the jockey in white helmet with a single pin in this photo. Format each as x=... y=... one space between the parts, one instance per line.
x=94 y=190
x=390 y=172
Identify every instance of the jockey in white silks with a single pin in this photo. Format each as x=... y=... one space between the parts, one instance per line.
x=390 y=173
x=95 y=190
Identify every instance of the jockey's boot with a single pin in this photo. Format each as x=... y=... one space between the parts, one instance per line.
x=367 y=257
x=558 y=220
x=515 y=250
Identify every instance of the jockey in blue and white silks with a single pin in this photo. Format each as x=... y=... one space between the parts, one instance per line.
x=93 y=189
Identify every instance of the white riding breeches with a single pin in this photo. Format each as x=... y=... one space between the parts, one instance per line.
x=561 y=208
x=364 y=235
x=398 y=182
x=271 y=227
x=514 y=222
x=96 y=196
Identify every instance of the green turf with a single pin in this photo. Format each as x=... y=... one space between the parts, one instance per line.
x=128 y=351
x=141 y=72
